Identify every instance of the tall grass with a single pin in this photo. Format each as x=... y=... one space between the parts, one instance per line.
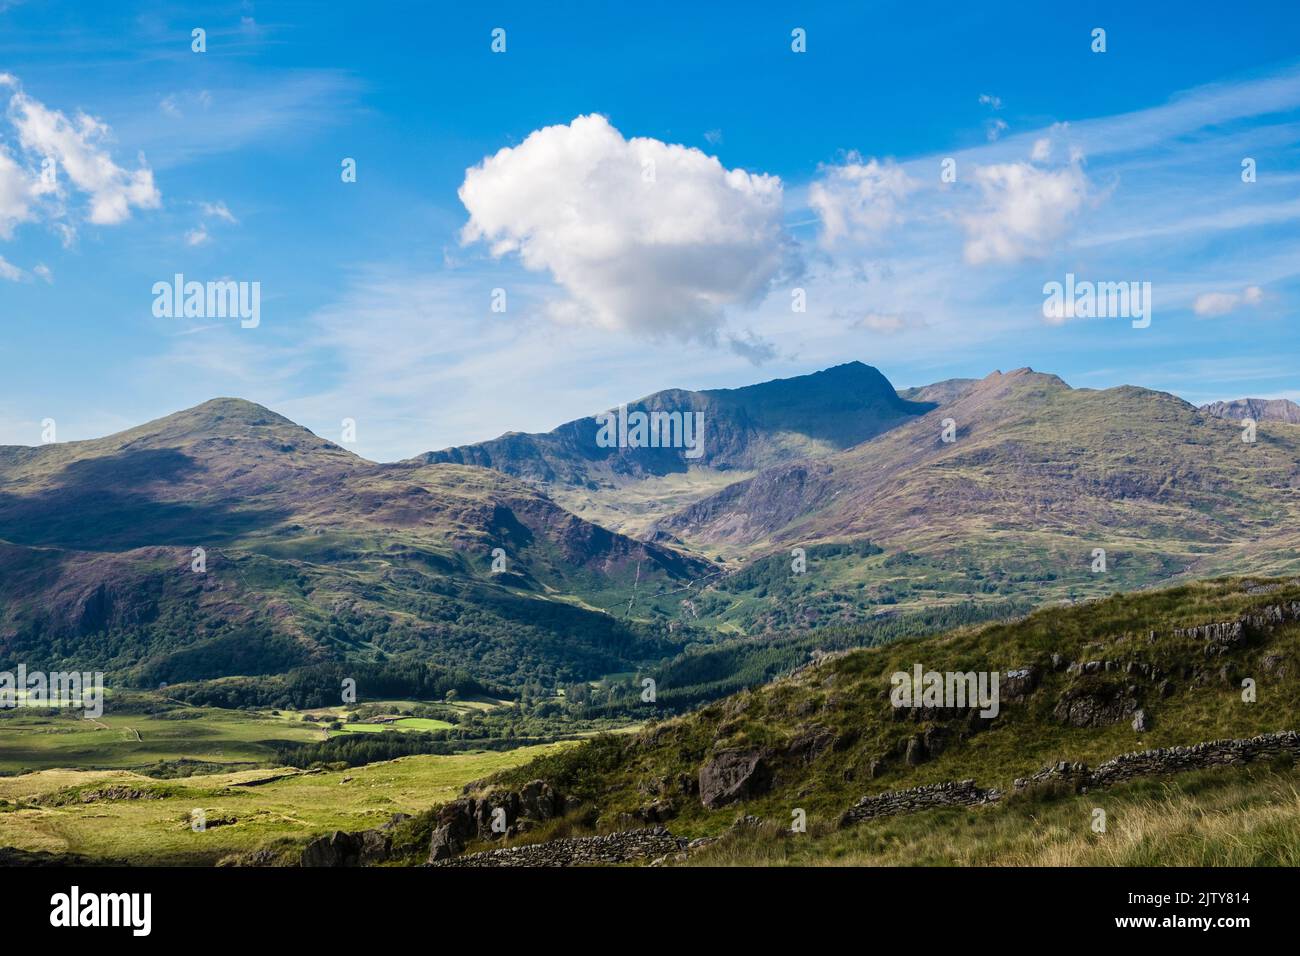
x=1222 y=817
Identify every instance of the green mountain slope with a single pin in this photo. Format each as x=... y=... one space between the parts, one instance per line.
x=1072 y=683
x=939 y=393
x=1039 y=475
x=312 y=554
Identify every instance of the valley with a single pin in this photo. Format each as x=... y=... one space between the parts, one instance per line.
x=267 y=606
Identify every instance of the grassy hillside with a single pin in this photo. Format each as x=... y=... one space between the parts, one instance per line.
x=1039 y=475
x=312 y=554
x=830 y=735
x=1224 y=817
x=124 y=816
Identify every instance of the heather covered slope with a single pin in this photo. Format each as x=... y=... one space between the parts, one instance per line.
x=939 y=393
x=312 y=553
x=1039 y=476
x=745 y=429
x=827 y=735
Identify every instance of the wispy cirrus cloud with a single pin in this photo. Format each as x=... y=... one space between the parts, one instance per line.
x=245 y=108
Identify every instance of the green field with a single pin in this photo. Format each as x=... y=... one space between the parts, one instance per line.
x=31 y=741
x=123 y=787
x=402 y=723
x=147 y=821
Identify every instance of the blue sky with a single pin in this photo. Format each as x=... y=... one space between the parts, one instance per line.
x=673 y=174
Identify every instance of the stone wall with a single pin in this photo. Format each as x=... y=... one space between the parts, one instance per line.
x=629 y=846
x=1145 y=763
x=1165 y=760
x=962 y=793
x=1212 y=753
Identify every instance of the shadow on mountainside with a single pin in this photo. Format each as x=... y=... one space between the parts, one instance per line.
x=112 y=504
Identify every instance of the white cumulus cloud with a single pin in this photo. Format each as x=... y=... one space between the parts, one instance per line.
x=1024 y=209
x=858 y=200
x=643 y=236
x=76 y=147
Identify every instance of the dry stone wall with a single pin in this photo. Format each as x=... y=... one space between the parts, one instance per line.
x=962 y=793
x=629 y=846
x=1212 y=753
x=1145 y=763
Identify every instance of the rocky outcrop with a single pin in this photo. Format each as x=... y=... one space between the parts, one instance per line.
x=472 y=818
x=809 y=745
x=63 y=797
x=1132 y=668
x=962 y=793
x=1019 y=683
x=360 y=848
x=363 y=848
x=628 y=846
x=1220 y=637
x=1236 y=632
x=732 y=775
x=1095 y=707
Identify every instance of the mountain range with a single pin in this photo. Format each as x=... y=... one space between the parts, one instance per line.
x=547 y=557
x=749 y=429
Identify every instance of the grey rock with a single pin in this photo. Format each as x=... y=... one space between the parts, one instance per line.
x=732 y=775
x=337 y=849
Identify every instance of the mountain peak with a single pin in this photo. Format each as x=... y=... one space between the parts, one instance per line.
x=226 y=408
x=222 y=422
x=1260 y=409
x=745 y=429
x=1018 y=381
x=855 y=382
